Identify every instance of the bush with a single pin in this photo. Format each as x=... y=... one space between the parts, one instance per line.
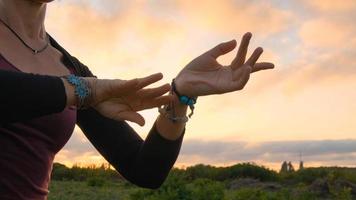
x=249 y=170
x=253 y=194
x=243 y=170
x=202 y=189
x=174 y=188
x=96 y=182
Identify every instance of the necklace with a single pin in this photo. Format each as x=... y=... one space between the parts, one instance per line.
x=35 y=51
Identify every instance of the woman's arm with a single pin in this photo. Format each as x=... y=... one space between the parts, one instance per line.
x=144 y=163
x=147 y=163
x=25 y=95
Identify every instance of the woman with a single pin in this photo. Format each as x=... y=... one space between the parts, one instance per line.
x=40 y=103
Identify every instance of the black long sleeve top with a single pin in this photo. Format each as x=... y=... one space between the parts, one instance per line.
x=28 y=101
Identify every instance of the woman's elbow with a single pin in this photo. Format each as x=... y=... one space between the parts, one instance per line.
x=144 y=177
x=152 y=186
x=149 y=182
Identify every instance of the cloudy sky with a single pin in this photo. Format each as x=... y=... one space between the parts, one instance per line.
x=306 y=105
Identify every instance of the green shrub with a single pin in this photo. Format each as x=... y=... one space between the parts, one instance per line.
x=202 y=189
x=242 y=170
x=174 y=188
x=253 y=194
x=96 y=182
x=341 y=194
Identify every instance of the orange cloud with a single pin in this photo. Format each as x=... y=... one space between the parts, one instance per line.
x=235 y=16
x=327 y=33
x=115 y=45
x=331 y=5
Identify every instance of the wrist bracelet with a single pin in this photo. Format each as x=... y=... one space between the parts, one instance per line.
x=189 y=101
x=82 y=90
x=165 y=111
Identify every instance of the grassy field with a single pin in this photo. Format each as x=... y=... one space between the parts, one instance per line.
x=203 y=182
x=80 y=190
x=77 y=190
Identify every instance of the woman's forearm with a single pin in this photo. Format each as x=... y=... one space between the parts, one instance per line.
x=166 y=127
x=25 y=96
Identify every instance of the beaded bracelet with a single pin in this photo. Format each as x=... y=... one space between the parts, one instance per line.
x=82 y=90
x=166 y=111
x=189 y=101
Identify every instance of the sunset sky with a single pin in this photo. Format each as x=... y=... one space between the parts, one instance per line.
x=306 y=105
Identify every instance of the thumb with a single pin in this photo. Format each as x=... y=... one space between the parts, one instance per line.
x=243 y=79
x=222 y=48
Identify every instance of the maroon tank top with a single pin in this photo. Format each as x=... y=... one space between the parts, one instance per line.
x=27 y=150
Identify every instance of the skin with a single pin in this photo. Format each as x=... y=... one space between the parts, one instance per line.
x=205 y=76
x=122 y=99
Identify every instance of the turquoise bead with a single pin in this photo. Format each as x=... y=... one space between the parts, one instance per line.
x=186 y=100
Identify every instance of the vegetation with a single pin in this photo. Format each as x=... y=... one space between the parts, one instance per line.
x=203 y=182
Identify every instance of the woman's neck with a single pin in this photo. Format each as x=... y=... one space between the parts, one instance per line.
x=25 y=17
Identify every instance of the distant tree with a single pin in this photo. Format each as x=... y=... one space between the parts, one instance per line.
x=301 y=165
x=290 y=167
x=284 y=167
x=102 y=166
x=201 y=171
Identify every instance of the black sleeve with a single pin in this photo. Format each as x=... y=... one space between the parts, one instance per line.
x=144 y=163
x=25 y=96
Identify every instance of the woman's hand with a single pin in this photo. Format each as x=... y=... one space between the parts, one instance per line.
x=122 y=99
x=205 y=76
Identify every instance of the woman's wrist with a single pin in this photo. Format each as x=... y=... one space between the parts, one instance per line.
x=180 y=109
x=184 y=99
x=70 y=93
x=72 y=96
x=166 y=127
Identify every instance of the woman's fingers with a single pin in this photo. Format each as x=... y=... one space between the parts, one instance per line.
x=131 y=116
x=240 y=58
x=119 y=88
x=148 y=80
x=123 y=87
x=154 y=92
x=222 y=48
x=158 y=101
x=254 y=57
x=262 y=66
x=245 y=76
x=103 y=89
x=242 y=75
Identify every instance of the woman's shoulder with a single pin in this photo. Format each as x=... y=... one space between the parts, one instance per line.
x=83 y=69
x=80 y=68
